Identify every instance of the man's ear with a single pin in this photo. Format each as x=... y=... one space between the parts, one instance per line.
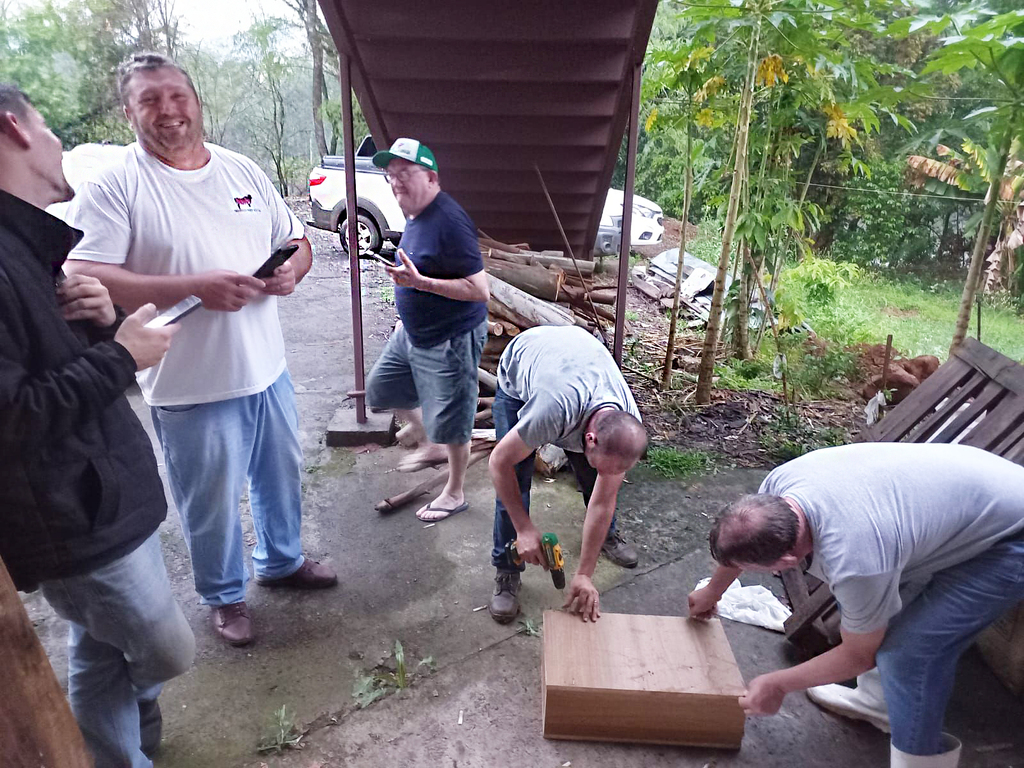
x=12 y=129
x=787 y=561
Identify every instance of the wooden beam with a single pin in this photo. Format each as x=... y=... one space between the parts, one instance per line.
x=37 y=729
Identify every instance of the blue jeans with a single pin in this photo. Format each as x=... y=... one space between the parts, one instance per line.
x=127 y=637
x=506 y=415
x=211 y=450
x=918 y=657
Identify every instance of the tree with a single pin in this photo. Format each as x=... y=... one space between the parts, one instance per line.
x=315 y=38
x=269 y=70
x=993 y=44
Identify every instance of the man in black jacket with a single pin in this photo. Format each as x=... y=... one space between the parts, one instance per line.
x=80 y=496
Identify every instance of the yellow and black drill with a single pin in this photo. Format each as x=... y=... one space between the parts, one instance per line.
x=552 y=557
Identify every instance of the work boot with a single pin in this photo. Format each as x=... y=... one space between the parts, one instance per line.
x=865 y=702
x=311 y=575
x=619 y=551
x=950 y=758
x=151 y=724
x=233 y=624
x=504 y=604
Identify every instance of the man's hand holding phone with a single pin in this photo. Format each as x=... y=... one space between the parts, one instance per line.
x=281 y=282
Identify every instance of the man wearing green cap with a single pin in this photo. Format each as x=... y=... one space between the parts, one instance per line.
x=427 y=372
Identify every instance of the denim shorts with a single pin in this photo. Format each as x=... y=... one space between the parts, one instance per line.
x=442 y=380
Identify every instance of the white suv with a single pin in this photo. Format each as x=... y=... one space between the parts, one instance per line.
x=381 y=220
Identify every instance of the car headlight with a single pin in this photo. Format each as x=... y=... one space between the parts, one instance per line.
x=644 y=211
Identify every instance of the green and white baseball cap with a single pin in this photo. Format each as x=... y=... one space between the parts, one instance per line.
x=406 y=149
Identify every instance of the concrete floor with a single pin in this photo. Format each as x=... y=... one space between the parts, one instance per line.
x=403 y=581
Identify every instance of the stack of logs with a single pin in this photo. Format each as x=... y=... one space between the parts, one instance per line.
x=531 y=288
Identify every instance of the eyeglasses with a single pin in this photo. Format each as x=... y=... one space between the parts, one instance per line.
x=403 y=175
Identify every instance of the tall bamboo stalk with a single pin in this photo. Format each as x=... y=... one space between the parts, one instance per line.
x=707 y=360
x=963 y=318
x=670 y=348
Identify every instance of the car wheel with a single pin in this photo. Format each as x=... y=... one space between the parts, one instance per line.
x=368 y=236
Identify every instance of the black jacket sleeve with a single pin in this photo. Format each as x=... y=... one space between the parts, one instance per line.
x=38 y=408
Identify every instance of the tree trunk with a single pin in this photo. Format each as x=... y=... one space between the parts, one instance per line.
x=316 y=48
x=537 y=280
x=741 y=334
x=521 y=303
x=670 y=349
x=707 y=360
x=980 y=242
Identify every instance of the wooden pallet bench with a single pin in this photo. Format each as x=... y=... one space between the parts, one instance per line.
x=975 y=398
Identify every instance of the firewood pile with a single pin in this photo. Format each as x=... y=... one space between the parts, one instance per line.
x=531 y=288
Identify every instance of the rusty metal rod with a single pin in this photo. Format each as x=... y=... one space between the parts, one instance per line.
x=568 y=248
x=352 y=232
x=627 y=218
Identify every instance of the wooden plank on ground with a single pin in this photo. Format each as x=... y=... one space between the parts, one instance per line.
x=650 y=679
x=37 y=729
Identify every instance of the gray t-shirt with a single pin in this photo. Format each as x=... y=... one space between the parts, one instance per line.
x=562 y=374
x=885 y=517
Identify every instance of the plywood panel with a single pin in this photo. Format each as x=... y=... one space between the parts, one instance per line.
x=652 y=679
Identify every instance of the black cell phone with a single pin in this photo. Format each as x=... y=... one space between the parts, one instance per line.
x=277 y=258
x=378 y=258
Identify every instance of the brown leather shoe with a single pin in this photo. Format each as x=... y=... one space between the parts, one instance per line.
x=311 y=575
x=619 y=551
x=232 y=623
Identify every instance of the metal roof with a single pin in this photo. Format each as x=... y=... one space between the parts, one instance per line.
x=495 y=88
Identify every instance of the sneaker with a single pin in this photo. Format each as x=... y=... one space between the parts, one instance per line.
x=151 y=723
x=619 y=551
x=233 y=624
x=504 y=603
x=311 y=575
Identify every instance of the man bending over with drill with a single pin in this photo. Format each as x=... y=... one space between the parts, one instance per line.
x=559 y=385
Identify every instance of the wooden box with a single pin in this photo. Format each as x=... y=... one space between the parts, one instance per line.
x=1002 y=646
x=651 y=679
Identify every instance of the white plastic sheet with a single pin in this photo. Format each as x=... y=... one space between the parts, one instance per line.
x=751 y=605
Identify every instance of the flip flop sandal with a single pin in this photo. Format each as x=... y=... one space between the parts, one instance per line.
x=451 y=512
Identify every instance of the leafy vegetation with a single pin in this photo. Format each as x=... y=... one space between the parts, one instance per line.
x=388 y=677
x=787 y=435
x=282 y=733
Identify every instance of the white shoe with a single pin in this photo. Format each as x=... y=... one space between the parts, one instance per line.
x=865 y=702
x=948 y=759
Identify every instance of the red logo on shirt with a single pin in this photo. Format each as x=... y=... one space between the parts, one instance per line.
x=246 y=201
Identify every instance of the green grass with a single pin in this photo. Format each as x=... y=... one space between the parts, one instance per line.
x=921 y=318
x=674 y=463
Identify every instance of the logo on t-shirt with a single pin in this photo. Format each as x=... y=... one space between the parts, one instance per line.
x=246 y=201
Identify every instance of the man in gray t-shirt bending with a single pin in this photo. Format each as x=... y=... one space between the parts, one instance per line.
x=922 y=546
x=559 y=385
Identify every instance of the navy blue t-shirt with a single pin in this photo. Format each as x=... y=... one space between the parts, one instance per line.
x=442 y=243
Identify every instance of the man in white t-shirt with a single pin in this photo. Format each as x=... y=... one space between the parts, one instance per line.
x=922 y=546
x=176 y=218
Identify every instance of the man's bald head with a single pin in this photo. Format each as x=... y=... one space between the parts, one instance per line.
x=758 y=529
x=614 y=441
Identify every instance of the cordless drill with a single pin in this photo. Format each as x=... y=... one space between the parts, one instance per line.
x=552 y=551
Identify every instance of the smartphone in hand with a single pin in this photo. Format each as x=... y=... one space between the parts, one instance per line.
x=277 y=258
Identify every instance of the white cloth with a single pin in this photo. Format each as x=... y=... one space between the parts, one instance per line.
x=751 y=605
x=156 y=220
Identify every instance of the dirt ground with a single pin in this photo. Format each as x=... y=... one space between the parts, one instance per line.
x=403 y=580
